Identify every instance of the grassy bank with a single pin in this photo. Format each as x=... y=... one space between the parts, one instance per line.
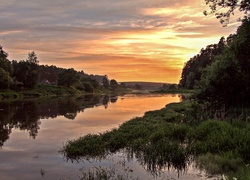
x=52 y=90
x=39 y=91
x=173 y=137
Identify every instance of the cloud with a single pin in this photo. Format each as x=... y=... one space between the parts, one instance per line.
x=124 y=39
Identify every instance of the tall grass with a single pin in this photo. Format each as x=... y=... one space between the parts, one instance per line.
x=171 y=137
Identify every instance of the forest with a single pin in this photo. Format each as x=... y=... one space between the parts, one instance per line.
x=28 y=75
x=220 y=73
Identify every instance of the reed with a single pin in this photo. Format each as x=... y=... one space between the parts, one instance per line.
x=171 y=137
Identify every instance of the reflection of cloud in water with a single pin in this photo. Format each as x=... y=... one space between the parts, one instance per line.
x=126 y=107
x=133 y=169
x=17 y=154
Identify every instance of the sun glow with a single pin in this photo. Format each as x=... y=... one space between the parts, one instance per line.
x=126 y=40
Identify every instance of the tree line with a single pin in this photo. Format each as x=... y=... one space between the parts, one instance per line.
x=27 y=74
x=220 y=73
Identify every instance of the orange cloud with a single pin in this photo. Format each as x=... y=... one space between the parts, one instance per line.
x=127 y=40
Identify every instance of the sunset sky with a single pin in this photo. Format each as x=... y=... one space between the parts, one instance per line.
x=128 y=40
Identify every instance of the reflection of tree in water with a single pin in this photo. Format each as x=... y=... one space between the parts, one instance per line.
x=26 y=115
x=109 y=99
x=5 y=124
x=22 y=115
x=113 y=99
x=105 y=101
x=68 y=108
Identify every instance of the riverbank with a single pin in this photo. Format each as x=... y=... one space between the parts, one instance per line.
x=40 y=127
x=174 y=136
x=39 y=91
x=53 y=91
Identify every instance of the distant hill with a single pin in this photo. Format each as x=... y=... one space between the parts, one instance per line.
x=144 y=85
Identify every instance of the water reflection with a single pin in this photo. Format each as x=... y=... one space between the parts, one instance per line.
x=25 y=115
x=54 y=122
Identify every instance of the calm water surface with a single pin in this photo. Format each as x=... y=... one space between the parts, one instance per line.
x=32 y=132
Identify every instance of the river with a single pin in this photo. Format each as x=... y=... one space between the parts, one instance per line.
x=33 y=131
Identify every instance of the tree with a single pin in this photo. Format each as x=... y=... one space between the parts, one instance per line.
x=3 y=54
x=105 y=82
x=172 y=87
x=221 y=83
x=123 y=85
x=190 y=81
x=192 y=71
x=138 y=86
x=32 y=58
x=227 y=81
x=48 y=73
x=5 y=64
x=113 y=84
x=68 y=77
x=26 y=72
x=88 y=87
x=6 y=70
x=223 y=9
x=5 y=79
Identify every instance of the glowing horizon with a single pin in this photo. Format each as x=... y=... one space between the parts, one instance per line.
x=126 y=40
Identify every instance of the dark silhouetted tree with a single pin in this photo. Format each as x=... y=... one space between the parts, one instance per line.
x=227 y=81
x=32 y=58
x=123 y=85
x=6 y=70
x=5 y=64
x=113 y=84
x=138 y=86
x=172 y=87
x=105 y=82
x=68 y=78
x=26 y=72
x=192 y=71
x=5 y=79
x=224 y=9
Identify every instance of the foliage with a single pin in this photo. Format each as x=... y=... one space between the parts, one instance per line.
x=224 y=9
x=113 y=84
x=226 y=81
x=5 y=64
x=242 y=174
x=140 y=136
x=169 y=138
x=5 y=79
x=217 y=164
x=32 y=58
x=138 y=86
x=68 y=77
x=105 y=82
x=26 y=72
x=5 y=70
x=90 y=145
x=88 y=84
x=193 y=69
x=48 y=74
